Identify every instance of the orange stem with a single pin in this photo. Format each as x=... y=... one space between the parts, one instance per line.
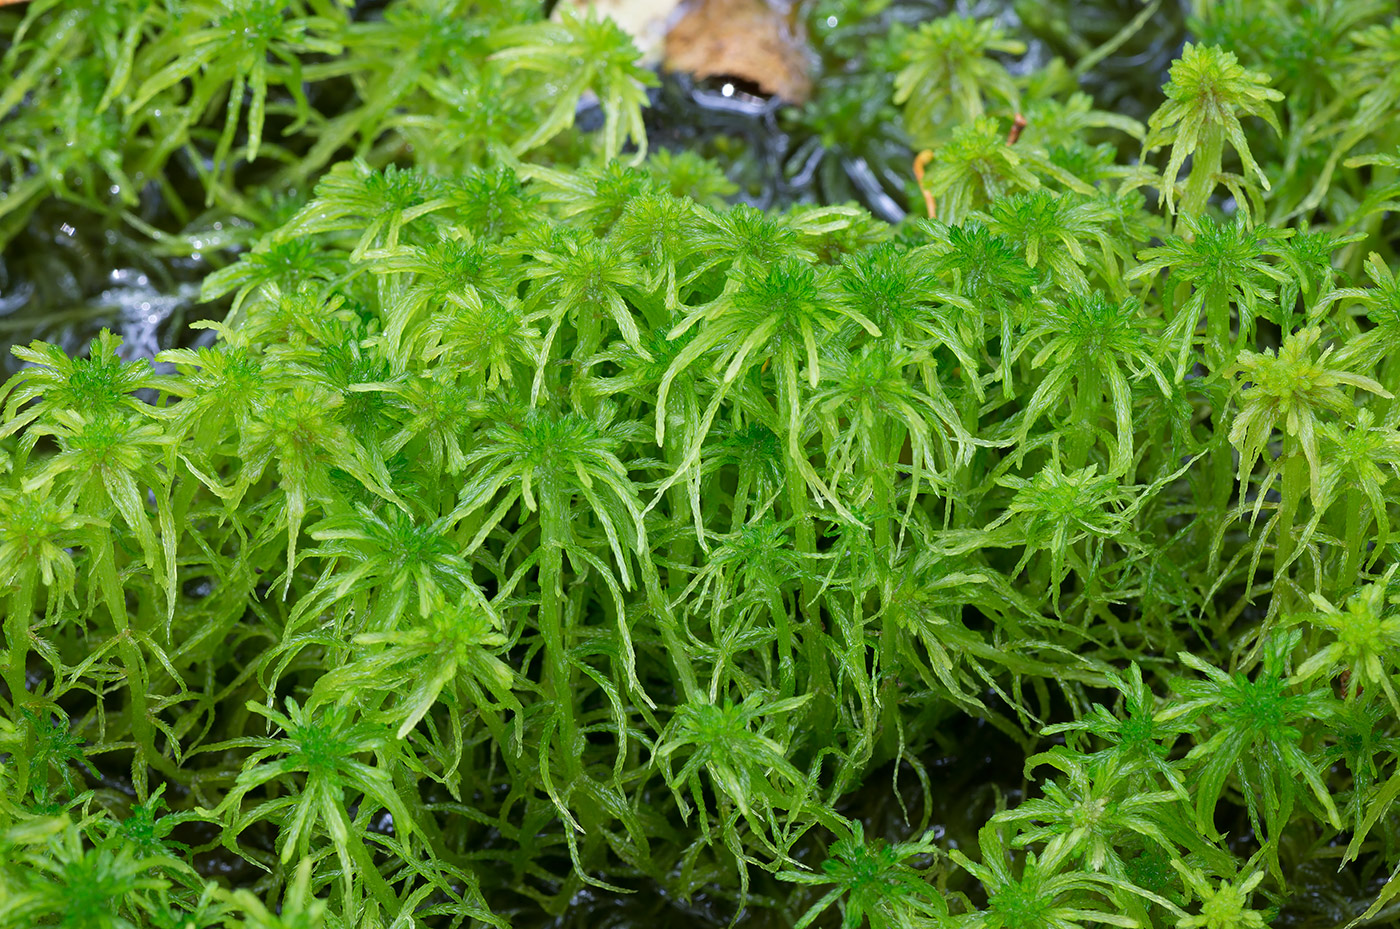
x=1017 y=125
x=920 y=161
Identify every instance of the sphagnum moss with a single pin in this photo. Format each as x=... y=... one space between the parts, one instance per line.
x=537 y=527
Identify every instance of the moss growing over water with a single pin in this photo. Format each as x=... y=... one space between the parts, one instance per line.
x=542 y=538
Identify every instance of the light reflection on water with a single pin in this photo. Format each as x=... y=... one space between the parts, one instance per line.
x=138 y=309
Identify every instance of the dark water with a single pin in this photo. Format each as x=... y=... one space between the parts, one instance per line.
x=66 y=277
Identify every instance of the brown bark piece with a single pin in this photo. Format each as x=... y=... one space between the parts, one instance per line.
x=747 y=39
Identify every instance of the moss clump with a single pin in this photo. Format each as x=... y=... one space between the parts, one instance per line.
x=533 y=532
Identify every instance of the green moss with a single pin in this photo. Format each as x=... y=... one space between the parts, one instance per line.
x=539 y=533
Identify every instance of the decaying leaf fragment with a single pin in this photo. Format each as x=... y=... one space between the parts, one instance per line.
x=753 y=40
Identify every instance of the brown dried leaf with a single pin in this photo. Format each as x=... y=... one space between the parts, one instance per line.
x=746 y=39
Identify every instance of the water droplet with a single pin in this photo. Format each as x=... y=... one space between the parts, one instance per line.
x=831 y=22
